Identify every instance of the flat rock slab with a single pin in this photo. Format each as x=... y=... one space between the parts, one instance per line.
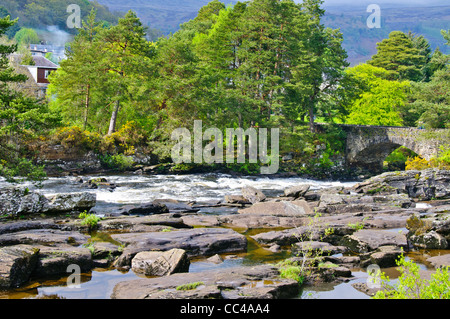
x=440 y=261
x=370 y=239
x=49 y=237
x=196 y=242
x=281 y=208
x=259 y=282
x=142 y=223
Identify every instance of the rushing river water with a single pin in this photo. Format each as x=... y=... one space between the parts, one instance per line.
x=136 y=189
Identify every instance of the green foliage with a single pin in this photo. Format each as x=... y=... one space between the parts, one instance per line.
x=380 y=99
x=410 y=285
x=26 y=36
x=90 y=220
x=400 y=56
x=39 y=14
x=22 y=119
x=118 y=162
x=190 y=286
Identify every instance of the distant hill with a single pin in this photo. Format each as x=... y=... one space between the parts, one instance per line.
x=360 y=41
x=419 y=16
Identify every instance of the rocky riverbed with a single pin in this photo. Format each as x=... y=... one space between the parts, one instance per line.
x=162 y=241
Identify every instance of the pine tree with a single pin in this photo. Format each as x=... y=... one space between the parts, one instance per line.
x=79 y=76
x=125 y=55
x=399 y=55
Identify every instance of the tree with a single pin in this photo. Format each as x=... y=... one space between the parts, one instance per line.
x=430 y=102
x=21 y=118
x=323 y=62
x=79 y=76
x=399 y=55
x=125 y=57
x=26 y=36
x=380 y=99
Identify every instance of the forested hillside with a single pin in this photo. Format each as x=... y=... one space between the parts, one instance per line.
x=258 y=64
x=359 y=41
x=39 y=14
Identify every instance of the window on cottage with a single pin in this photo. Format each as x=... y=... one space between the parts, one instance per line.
x=47 y=72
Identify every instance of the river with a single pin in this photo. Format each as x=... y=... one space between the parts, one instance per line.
x=199 y=188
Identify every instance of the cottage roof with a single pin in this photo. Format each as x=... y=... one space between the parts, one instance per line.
x=41 y=61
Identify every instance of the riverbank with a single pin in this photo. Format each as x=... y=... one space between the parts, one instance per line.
x=247 y=236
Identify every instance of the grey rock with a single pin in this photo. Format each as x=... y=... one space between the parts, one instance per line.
x=258 y=282
x=429 y=240
x=252 y=194
x=153 y=263
x=196 y=242
x=366 y=240
x=17 y=264
x=282 y=208
x=296 y=191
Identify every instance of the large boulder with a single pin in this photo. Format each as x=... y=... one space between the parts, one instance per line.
x=366 y=240
x=252 y=194
x=60 y=203
x=440 y=261
x=157 y=263
x=281 y=208
x=16 y=264
x=20 y=201
x=425 y=185
x=296 y=191
x=429 y=240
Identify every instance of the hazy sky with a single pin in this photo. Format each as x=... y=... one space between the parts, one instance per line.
x=387 y=3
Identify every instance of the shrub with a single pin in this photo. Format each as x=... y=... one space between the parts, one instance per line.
x=90 y=220
x=411 y=286
x=118 y=162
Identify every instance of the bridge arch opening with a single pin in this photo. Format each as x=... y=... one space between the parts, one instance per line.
x=383 y=156
x=396 y=161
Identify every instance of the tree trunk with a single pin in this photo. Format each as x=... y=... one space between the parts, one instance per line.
x=86 y=106
x=311 y=116
x=113 y=121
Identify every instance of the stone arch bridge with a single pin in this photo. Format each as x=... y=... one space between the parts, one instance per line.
x=368 y=146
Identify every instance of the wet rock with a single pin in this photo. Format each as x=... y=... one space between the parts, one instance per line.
x=175 y=206
x=252 y=194
x=384 y=256
x=259 y=282
x=215 y=259
x=16 y=264
x=296 y=191
x=48 y=237
x=153 y=263
x=59 y=203
x=281 y=208
x=440 y=261
x=20 y=201
x=236 y=199
x=196 y=242
x=55 y=260
x=318 y=247
x=22 y=225
x=429 y=240
x=147 y=209
x=151 y=223
x=425 y=185
x=251 y=221
x=366 y=240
